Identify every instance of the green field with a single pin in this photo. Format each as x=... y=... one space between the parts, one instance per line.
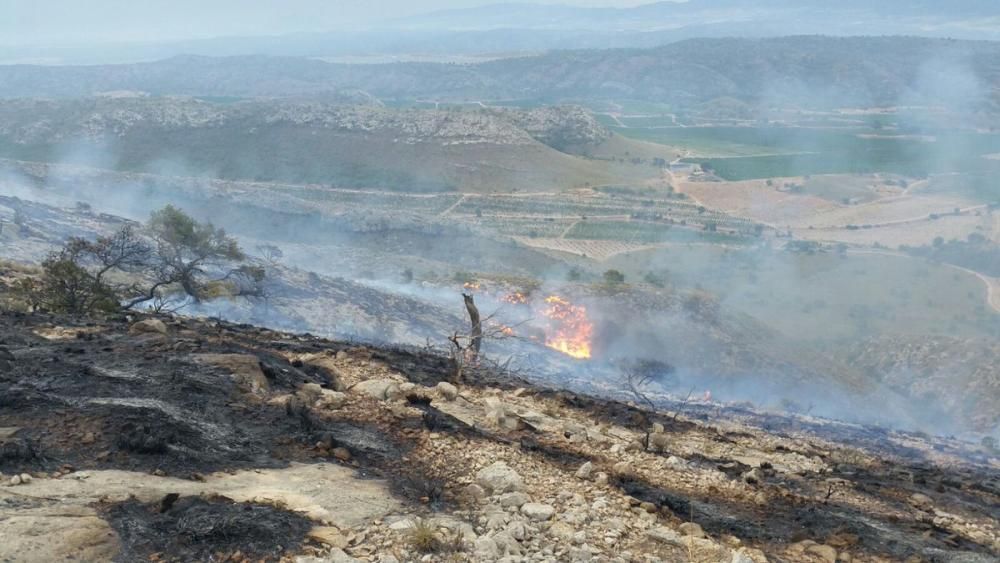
x=745 y=153
x=647 y=121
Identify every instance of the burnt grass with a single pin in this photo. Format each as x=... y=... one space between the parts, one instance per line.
x=199 y=529
x=107 y=399
x=112 y=400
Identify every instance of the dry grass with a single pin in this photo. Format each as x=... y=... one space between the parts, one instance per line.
x=423 y=537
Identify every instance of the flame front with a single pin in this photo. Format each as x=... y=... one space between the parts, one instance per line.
x=516 y=298
x=569 y=329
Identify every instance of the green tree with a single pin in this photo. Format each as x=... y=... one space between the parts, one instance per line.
x=186 y=249
x=76 y=279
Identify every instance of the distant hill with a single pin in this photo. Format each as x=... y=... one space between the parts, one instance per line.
x=524 y=28
x=891 y=14
x=810 y=71
x=311 y=142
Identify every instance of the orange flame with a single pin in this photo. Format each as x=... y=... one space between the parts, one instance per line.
x=569 y=329
x=471 y=285
x=516 y=298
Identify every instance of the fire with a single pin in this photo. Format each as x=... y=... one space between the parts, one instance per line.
x=472 y=285
x=516 y=298
x=569 y=329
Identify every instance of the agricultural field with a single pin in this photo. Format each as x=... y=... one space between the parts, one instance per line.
x=599 y=250
x=642 y=232
x=744 y=153
x=947 y=227
x=352 y=199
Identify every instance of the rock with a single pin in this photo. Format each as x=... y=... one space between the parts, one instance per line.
x=88 y=438
x=517 y=530
x=25 y=478
x=754 y=476
x=658 y=428
x=244 y=369
x=497 y=416
x=922 y=502
x=496 y=520
x=475 y=492
x=447 y=391
x=648 y=507
x=330 y=399
x=824 y=552
x=402 y=524
x=516 y=499
x=15 y=480
x=563 y=531
x=666 y=536
x=691 y=529
x=499 y=478
x=379 y=389
x=676 y=462
x=343 y=454
x=148 y=326
x=486 y=549
x=537 y=511
x=328 y=535
x=585 y=471
x=601 y=478
x=310 y=392
x=506 y=544
x=337 y=555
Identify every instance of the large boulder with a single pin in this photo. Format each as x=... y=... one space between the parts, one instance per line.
x=379 y=389
x=314 y=395
x=538 y=512
x=499 y=478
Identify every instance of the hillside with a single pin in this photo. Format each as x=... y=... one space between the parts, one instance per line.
x=315 y=143
x=177 y=439
x=811 y=71
x=935 y=368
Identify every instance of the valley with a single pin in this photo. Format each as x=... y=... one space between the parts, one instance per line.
x=748 y=284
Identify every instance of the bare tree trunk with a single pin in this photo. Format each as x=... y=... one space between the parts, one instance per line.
x=477 y=325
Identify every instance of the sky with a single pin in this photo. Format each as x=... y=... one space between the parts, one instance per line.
x=65 y=22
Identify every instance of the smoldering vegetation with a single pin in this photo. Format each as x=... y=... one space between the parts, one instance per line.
x=379 y=253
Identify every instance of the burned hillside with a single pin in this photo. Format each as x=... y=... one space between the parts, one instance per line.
x=171 y=438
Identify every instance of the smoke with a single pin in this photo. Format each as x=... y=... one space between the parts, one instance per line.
x=755 y=323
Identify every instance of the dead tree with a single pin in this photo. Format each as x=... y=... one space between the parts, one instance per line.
x=465 y=349
x=638 y=376
x=477 y=326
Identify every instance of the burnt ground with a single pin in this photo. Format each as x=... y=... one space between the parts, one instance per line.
x=200 y=529
x=103 y=399
x=89 y=395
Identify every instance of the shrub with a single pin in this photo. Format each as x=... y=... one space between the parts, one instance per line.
x=423 y=537
x=614 y=277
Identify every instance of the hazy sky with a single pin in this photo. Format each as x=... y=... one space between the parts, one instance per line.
x=40 y=22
